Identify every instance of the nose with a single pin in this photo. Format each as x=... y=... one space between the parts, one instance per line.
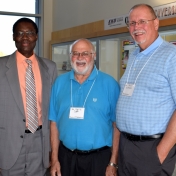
x=137 y=24
x=25 y=35
x=80 y=56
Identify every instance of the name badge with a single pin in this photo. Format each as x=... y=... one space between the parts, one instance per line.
x=128 y=89
x=76 y=113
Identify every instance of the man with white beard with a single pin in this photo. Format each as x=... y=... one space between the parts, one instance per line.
x=82 y=115
x=146 y=114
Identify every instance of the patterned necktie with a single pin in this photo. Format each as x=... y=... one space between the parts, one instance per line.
x=31 y=102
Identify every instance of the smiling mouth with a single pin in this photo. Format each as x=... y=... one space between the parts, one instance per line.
x=25 y=44
x=80 y=64
x=136 y=33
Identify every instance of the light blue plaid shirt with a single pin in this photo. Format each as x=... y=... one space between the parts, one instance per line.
x=153 y=101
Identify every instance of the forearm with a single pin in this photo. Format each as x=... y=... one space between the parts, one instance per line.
x=115 y=144
x=54 y=141
x=168 y=140
x=112 y=167
x=55 y=165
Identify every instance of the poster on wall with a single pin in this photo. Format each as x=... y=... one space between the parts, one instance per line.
x=128 y=47
x=162 y=12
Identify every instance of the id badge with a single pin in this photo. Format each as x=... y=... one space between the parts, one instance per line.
x=76 y=113
x=128 y=89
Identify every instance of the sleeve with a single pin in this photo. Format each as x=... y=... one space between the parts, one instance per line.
x=52 y=105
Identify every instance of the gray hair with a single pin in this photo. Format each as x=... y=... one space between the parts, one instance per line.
x=83 y=39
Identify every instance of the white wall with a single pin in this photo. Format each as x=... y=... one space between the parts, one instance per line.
x=70 y=13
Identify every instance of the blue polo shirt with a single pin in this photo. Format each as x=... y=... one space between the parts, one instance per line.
x=95 y=130
x=153 y=101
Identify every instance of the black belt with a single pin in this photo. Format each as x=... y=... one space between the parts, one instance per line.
x=132 y=137
x=28 y=131
x=85 y=152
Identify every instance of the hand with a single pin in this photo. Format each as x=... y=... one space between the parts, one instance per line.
x=111 y=171
x=55 y=168
x=161 y=155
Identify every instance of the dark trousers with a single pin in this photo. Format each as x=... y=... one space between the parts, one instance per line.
x=93 y=164
x=140 y=158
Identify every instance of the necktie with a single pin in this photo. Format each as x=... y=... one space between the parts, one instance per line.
x=31 y=102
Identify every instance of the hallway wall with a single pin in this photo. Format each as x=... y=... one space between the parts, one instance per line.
x=67 y=13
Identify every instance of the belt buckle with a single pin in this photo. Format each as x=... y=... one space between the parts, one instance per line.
x=81 y=152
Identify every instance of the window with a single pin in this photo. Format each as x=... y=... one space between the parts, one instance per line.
x=11 y=11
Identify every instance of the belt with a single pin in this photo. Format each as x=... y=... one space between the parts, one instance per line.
x=85 y=152
x=132 y=137
x=28 y=131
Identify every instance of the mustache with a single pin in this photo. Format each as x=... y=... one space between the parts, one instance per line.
x=25 y=41
x=138 y=31
x=80 y=62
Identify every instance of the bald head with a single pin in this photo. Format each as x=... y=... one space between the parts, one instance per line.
x=88 y=42
x=151 y=10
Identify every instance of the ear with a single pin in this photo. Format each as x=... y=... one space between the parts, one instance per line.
x=156 y=24
x=94 y=56
x=36 y=37
x=13 y=37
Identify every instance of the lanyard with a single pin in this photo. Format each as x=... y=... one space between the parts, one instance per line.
x=87 y=94
x=143 y=65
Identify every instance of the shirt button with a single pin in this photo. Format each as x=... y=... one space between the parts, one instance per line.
x=24 y=120
x=21 y=136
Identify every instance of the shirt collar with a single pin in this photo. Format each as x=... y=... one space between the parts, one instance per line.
x=153 y=46
x=92 y=76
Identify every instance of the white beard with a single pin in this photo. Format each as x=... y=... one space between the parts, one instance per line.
x=141 y=42
x=85 y=70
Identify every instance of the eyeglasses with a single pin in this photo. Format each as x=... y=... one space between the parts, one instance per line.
x=27 y=33
x=140 y=22
x=83 y=54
